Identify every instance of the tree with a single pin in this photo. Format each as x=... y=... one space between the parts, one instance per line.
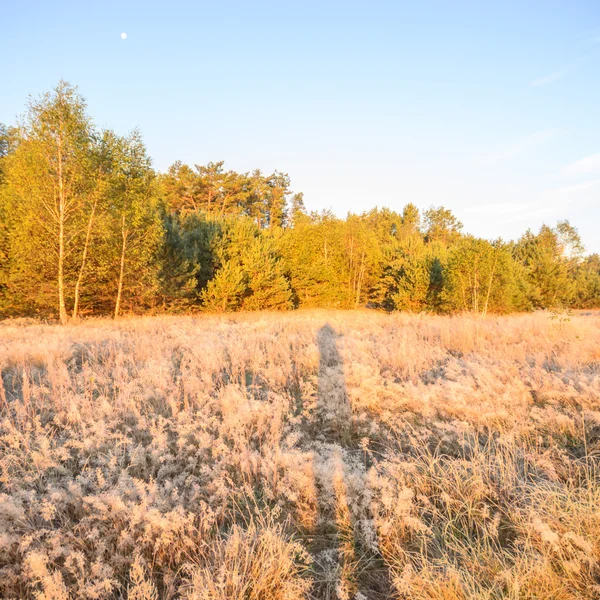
x=205 y=187
x=441 y=225
x=314 y=252
x=405 y=280
x=226 y=291
x=361 y=254
x=220 y=193
x=48 y=180
x=569 y=241
x=179 y=188
x=5 y=147
x=178 y=271
x=87 y=227
x=588 y=282
x=5 y=143
x=135 y=229
x=481 y=277
x=297 y=209
x=411 y=219
x=96 y=206
x=550 y=258
x=391 y=230
x=187 y=259
x=267 y=198
x=267 y=284
x=250 y=274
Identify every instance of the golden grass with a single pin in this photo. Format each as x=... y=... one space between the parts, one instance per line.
x=315 y=454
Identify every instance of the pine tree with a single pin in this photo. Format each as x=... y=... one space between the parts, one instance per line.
x=178 y=270
x=441 y=226
x=250 y=274
x=226 y=291
x=550 y=270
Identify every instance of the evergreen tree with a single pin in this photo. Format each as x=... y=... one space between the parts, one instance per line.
x=86 y=227
x=314 y=255
x=441 y=226
x=406 y=278
x=226 y=291
x=411 y=219
x=550 y=271
x=250 y=274
x=178 y=271
x=588 y=283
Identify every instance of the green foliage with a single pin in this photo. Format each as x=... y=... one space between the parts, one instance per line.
x=221 y=193
x=250 y=274
x=551 y=260
x=48 y=180
x=178 y=269
x=588 y=283
x=79 y=213
x=441 y=225
x=312 y=252
x=6 y=135
x=134 y=226
x=481 y=277
x=330 y=261
x=406 y=278
x=88 y=227
x=226 y=291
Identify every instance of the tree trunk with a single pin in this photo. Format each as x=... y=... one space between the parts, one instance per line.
x=62 y=311
x=463 y=293
x=489 y=290
x=361 y=276
x=88 y=234
x=122 y=269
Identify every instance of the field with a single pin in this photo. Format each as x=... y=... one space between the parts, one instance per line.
x=301 y=455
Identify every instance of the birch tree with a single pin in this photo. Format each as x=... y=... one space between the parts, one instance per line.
x=47 y=185
x=134 y=227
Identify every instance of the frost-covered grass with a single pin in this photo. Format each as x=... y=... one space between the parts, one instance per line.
x=302 y=455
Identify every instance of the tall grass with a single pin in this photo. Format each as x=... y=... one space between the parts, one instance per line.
x=306 y=455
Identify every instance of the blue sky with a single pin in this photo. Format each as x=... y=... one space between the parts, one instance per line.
x=490 y=109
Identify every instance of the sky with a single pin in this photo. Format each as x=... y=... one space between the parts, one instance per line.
x=490 y=109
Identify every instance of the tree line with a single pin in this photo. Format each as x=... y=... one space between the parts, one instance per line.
x=88 y=227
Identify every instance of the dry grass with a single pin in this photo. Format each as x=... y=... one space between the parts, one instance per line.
x=303 y=455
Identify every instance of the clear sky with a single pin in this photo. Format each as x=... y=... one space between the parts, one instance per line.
x=488 y=108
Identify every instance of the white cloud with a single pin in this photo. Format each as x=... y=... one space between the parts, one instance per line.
x=551 y=78
x=583 y=166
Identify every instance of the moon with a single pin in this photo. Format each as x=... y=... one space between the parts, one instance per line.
x=123 y=36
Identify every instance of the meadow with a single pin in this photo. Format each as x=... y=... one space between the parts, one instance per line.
x=310 y=454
